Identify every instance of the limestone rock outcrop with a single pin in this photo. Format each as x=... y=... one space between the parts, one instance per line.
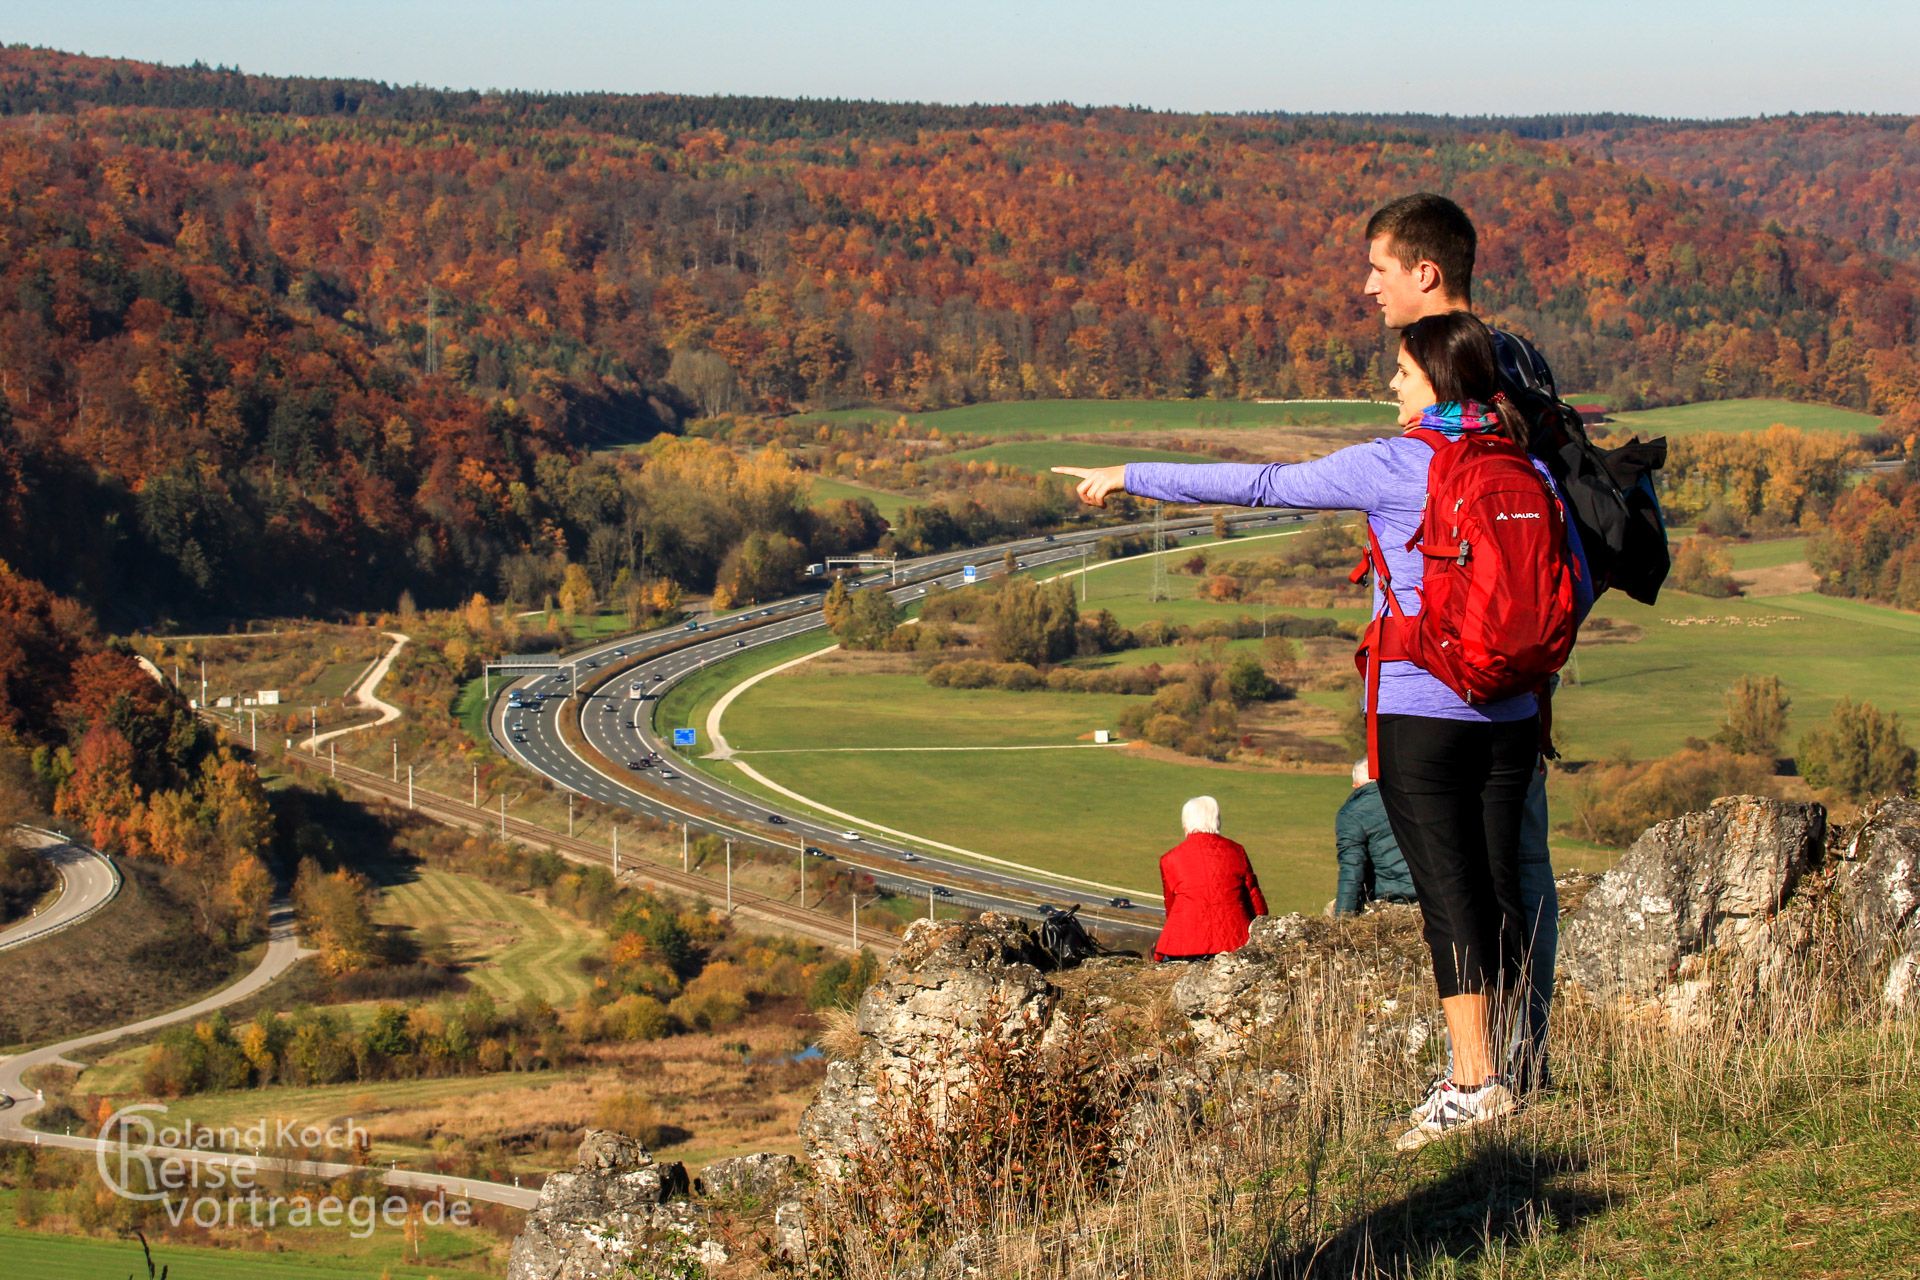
x=950 y=983
x=1707 y=885
x=1878 y=894
x=613 y=1206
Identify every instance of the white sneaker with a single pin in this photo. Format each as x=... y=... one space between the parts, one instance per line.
x=1424 y=1108
x=1450 y=1110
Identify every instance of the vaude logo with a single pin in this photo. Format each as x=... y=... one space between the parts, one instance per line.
x=194 y=1172
x=1519 y=515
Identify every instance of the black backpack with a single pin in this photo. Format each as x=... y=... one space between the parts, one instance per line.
x=1610 y=492
x=1065 y=940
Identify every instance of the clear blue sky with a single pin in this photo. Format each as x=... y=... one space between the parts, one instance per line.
x=1656 y=57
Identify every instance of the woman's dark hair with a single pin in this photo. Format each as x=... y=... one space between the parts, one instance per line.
x=1455 y=351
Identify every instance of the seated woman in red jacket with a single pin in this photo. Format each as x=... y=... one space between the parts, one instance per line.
x=1210 y=889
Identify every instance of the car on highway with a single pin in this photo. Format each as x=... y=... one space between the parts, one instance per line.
x=851 y=835
x=668 y=773
x=638 y=765
x=908 y=855
x=818 y=853
x=516 y=727
x=607 y=708
x=739 y=644
x=659 y=676
x=941 y=891
x=776 y=819
x=519 y=737
x=619 y=653
x=1125 y=904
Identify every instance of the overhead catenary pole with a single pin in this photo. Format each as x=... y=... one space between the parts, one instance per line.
x=854 y=898
x=313 y=727
x=929 y=902
x=333 y=762
x=409 y=786
x=729 y=877
x=396 y=759
x=683 y=846
x=569 y=815
x=616 y=851
x=503 y=815
x=476 y=786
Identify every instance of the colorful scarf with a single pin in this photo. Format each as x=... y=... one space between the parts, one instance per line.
x=1455 y=418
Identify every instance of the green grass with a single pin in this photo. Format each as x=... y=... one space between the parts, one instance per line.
x=1078 y=417
x=510 y=946
x=1655 y=692
x=305 y=1254
x=470 y=709
x=1039 y=455
x=824 y=489
x=1741 y=415
x=337 y=679
x=583 y=626
x=1121 y=586
x=1104 y=815
x=687 y=703
x=1768 y=554
x=809 y=711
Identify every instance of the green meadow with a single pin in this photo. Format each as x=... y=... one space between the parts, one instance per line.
x=1769 y=553
x=1741 y=415
x=1039 y=455
x=300 y=1254
x=1645 y=687
x=1080 y=417
x=510 y=946
x=825 y=489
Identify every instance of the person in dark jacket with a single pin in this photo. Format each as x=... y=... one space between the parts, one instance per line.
x=1209 y=887
x=1371 y=868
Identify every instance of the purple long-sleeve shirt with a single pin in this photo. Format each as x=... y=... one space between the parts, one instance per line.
x=1387 y=479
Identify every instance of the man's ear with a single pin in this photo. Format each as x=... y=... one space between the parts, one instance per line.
x=1428 y=274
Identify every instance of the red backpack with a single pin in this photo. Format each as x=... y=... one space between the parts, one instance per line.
x=1497 y=600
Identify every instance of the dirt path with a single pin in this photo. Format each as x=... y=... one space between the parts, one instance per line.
x=363 y=694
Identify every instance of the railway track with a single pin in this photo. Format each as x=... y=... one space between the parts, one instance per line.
x=817 y=925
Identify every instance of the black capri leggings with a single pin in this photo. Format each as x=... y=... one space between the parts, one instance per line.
x=1454 y=790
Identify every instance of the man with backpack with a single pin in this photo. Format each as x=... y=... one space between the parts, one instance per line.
x=1420 y=259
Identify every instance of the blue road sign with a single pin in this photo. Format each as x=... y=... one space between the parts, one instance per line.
x=969 y=573
x=683 y=737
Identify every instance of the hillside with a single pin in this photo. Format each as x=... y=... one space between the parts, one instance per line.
x=244 y=317
x=1849 y=177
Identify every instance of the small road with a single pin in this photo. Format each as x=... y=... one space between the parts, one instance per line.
x=363 y=694
x=88 y=881
x=18 y=1101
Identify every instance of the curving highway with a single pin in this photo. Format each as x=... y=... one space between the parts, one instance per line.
x=617 y=728
x=88 y=881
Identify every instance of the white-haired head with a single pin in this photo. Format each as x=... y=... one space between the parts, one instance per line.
x=1202 y=813
x=1360 y=778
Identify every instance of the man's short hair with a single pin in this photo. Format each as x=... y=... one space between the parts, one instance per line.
x=1425 y=227
x=1360 y=778
x=1202 y=813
